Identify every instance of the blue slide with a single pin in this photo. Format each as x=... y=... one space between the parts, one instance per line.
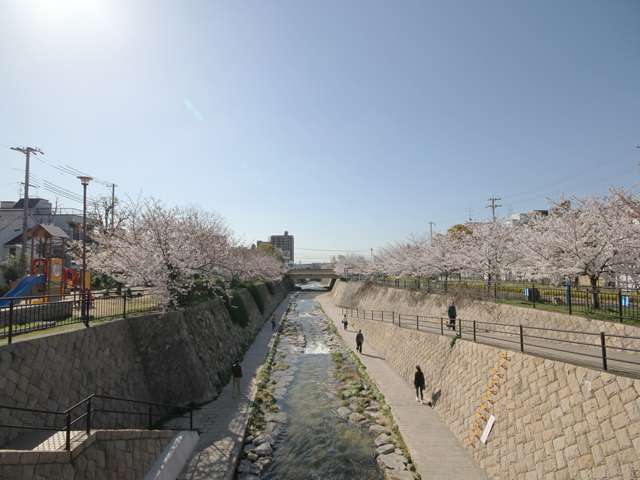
x=22 y=289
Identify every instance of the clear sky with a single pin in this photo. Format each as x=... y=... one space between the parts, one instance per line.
x=348 y=123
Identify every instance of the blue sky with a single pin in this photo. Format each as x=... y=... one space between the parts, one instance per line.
x=350 y=124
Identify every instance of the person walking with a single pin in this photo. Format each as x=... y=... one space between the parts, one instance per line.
x=452 y=316
x=236 y=375
x=418 y=382
x=273 y=322
x=345 y=322
x=359 y=341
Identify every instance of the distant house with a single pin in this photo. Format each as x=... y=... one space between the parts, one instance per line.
x=523 y=218
x=41 y=212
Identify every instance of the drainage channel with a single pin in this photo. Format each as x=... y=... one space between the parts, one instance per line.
x=316 y=416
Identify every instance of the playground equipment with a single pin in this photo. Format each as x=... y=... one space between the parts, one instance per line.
x=49 y=280
x=22 y=289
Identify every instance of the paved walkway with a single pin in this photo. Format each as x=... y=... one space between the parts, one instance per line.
x=434 y=449
x=222 y=422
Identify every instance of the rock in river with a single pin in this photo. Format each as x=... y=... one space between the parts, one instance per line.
x=384 y=449
x=382 y=439
x=264 y=449
x=392 y=461
x=344 y=412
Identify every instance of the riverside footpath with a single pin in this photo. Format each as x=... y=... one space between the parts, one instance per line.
x=222 y=423
x=434 y=449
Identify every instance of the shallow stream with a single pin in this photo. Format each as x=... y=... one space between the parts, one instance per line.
x=315 y=443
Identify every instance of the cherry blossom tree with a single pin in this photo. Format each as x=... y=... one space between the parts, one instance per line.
x=173 y=249
x=351 y=264
x=589 y=236
x=443 y=255
x=488 y=250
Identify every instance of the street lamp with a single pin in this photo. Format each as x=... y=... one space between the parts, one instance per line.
x=84 y=309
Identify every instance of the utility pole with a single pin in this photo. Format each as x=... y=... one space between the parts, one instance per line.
x=493 y=205
x=113 y=203
x=27 y=151
x=372 y=255
x=431 y=224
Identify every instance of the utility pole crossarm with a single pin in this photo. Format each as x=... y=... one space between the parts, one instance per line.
x=493 y=206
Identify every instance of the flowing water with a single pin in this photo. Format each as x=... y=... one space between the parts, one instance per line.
x=316 y=443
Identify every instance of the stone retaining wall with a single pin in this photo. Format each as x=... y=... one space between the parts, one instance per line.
x=553 y=420
x=106 y=455
x=176 y=357
x=375 y=297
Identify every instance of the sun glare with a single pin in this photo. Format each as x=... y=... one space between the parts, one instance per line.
x=69 y=13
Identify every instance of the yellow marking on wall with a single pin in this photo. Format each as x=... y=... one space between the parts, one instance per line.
x=488 y=399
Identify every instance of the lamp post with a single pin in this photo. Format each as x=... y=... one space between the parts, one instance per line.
x=84 y=309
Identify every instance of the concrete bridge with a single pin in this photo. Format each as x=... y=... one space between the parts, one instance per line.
x=313 y=273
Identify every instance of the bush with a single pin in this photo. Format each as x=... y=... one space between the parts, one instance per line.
x=199 y=292
x=255 y=293
x=11 y=271
x=238 y=310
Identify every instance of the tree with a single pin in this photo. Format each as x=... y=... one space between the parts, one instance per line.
x=351 y=264
x=175 y=250
x=488 y=251
x=443 y=256
x=590 y=236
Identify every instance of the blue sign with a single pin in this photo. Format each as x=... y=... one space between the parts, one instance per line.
x=625 y=301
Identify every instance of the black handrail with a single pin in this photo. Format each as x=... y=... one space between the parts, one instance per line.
x=618 y=304
x=176 y=411
x=19 y=315
x=479 y=330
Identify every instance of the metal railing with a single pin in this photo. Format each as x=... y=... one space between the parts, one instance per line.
x=601 y=303
x=101 y=412
x=610 y=352
x=23 y=315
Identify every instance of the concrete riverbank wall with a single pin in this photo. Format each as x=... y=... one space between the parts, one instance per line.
x=375 y=297
x=552 y=420
x=174 y=357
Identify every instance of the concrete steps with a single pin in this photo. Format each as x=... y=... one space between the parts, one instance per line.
x=58 y=441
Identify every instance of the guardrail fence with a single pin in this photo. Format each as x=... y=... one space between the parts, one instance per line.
x=99 y=411
x=22 y=315
x=609 y=352
x=602 y=303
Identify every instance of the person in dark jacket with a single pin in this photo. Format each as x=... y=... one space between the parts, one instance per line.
x=418 y=382
x=359 y=341
x=452 y=316
x=236 y=375
x=345 y=322
x=273 y=322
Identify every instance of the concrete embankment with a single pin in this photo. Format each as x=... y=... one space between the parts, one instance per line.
x=375 y=297
x=175 y=357
x=552 y=419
